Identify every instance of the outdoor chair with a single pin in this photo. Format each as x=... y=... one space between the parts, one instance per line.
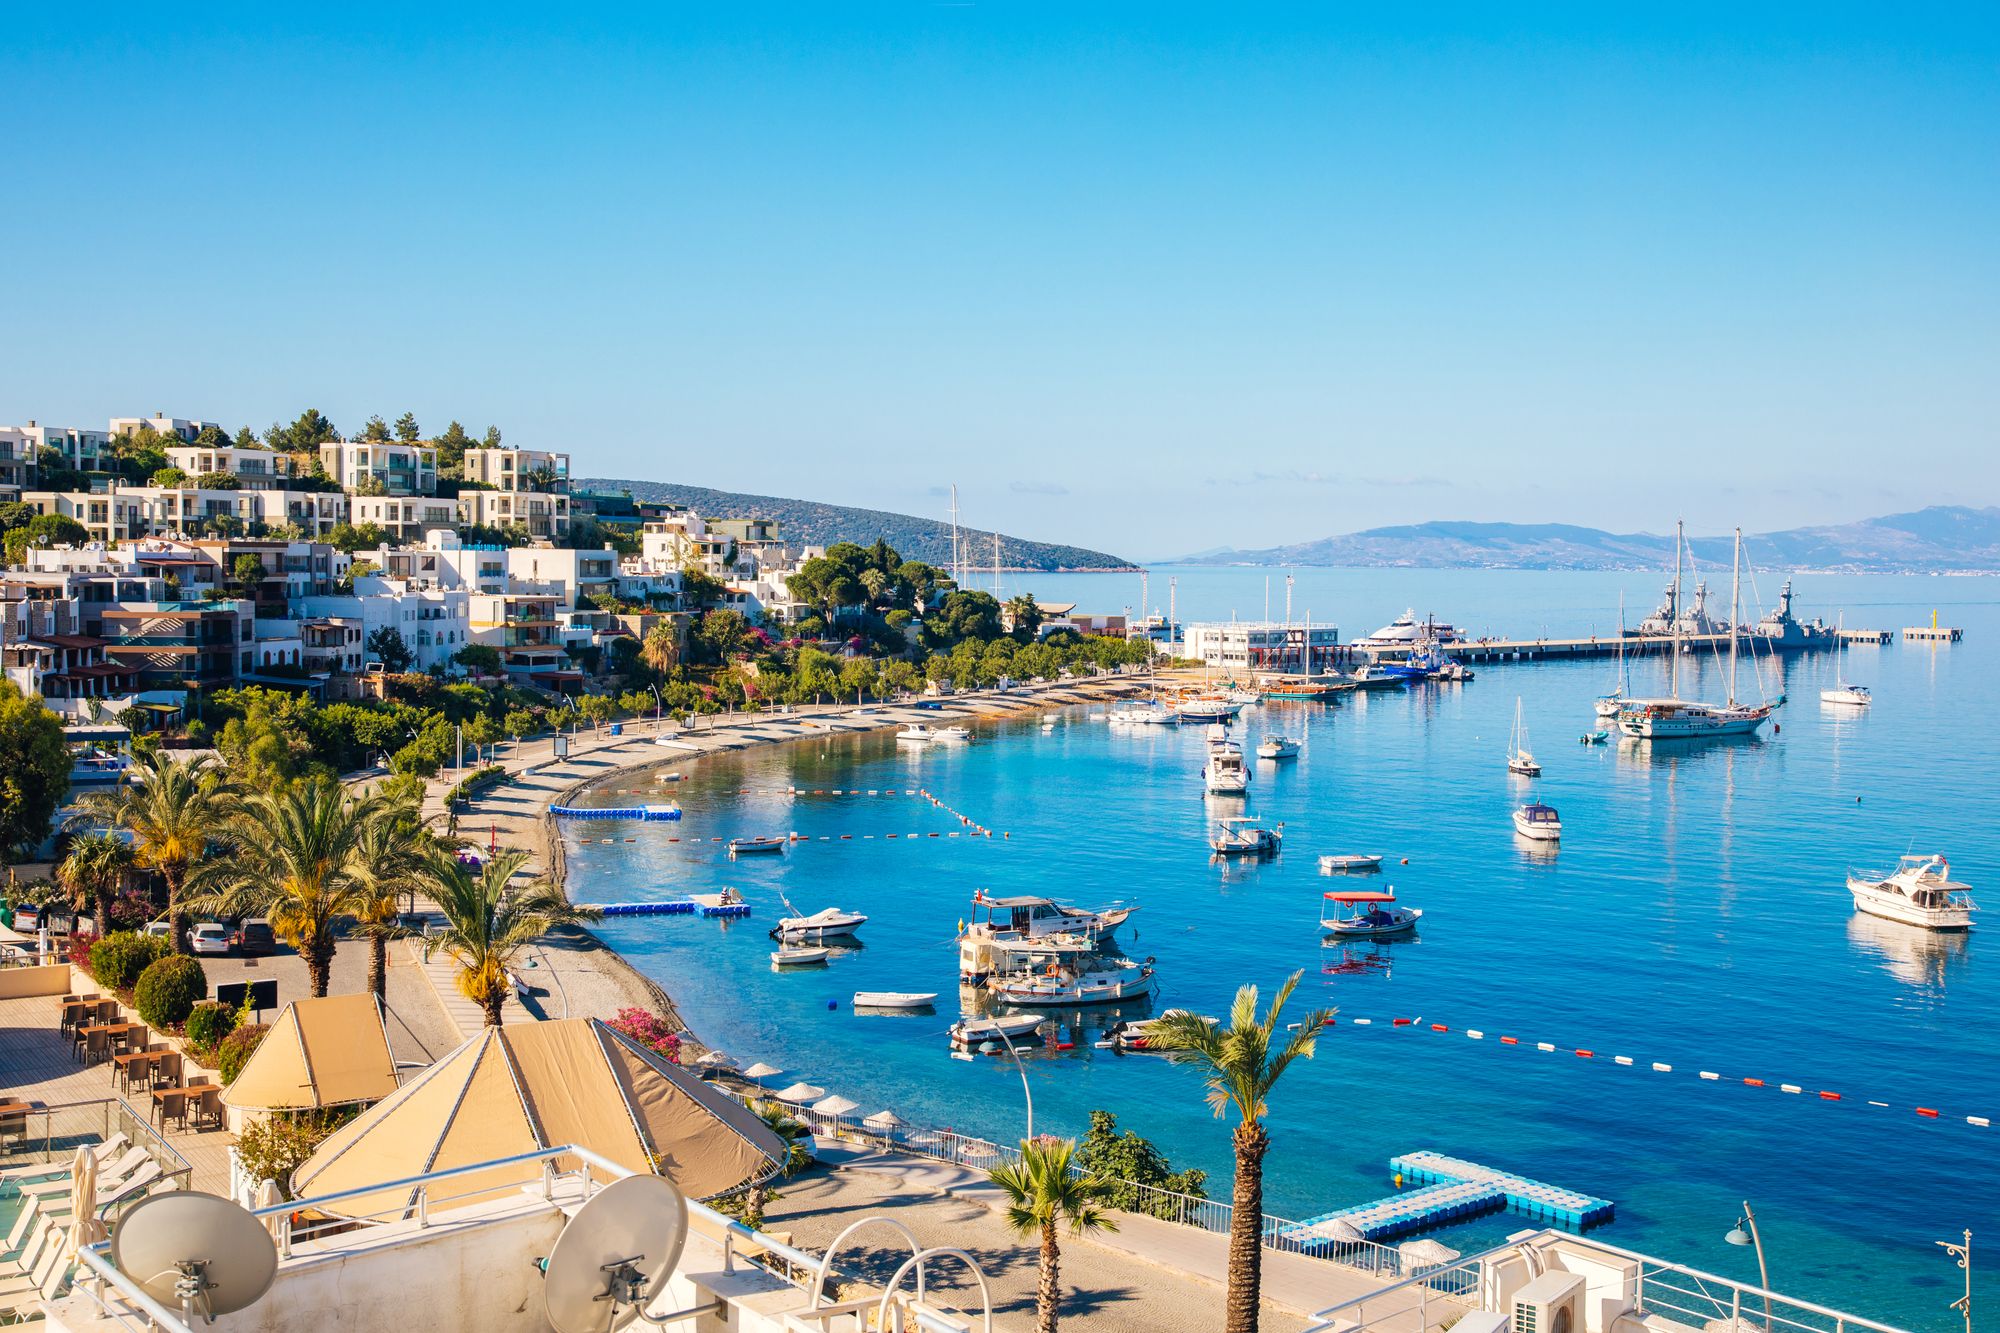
x=136 y=1071
x=96 y=1046
x=210 y=1110
x=167 y=1070
x=170 y=1104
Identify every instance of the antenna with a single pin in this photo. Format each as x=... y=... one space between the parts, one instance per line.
x=615 y=1255
x=199 y=1251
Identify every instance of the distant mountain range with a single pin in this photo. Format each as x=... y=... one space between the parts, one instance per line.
x=816 y=524
x=1938 y=539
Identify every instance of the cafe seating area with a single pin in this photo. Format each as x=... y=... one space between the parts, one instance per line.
x=140 y=1067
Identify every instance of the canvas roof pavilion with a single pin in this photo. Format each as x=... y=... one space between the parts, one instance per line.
x=513 y=1090
x=331 y=1051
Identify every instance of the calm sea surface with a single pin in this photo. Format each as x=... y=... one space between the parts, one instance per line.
x=1695 y=916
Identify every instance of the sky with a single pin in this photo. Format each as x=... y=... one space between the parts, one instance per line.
x=1148 y=278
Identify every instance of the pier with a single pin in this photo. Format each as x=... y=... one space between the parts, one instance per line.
x=676 y=907
x=1932 y=634
x=1449 y=1189
x=654 y=812
x=1635 y=645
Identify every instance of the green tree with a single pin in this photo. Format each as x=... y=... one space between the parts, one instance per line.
x=248 y=569
x=1129 y=1161
x=167 y=478
x=700 y=589
x=481 y=731
x=247 y=439
x=388 y=647
x=519 y=722
x=963 y=616
x=597 y=709
x=34 y=767
x=451 y=447
x=376 y=431
x=172 y=809
x=93 y=871
x=406 y=428
x=482 y=658
x=389 y=861
x=1241 y=1064
x=42 y=531
x=351 y=537
x=721 y=635
x=492 y=440
x=661 y=649
x=1044 y=1193
x=308 y=432
x=490 y=921
x=1026 y=613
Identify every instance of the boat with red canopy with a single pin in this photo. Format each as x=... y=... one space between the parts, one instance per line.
x=1366 y=913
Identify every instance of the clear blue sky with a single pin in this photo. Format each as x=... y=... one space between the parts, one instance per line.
x=1148 y=277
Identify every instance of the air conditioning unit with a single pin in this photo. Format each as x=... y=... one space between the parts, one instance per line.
x=1552 y=1303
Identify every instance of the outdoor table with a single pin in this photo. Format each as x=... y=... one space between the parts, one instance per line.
x=132 y=1061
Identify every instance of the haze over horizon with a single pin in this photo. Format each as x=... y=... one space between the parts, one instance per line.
x=1153 y=282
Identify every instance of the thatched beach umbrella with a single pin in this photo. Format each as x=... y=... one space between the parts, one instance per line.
x=885 y=1120
x=760 y=1071
x=800 y=1093
x=1426 y=1252
x=838 y=1107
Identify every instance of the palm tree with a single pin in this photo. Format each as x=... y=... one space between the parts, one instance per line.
x=797 y=1136
x=389 y=863
x=294 y=857
x=93 y=870
x=173 y=811
x=1242 y=1068
x=661 y=648
x=1043 y=1189
x=1025 y=613
x=488 y=923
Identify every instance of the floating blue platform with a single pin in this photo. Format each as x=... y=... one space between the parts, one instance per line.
x=1450 y=1189
x=1530 y=1198
x=615 y=811
x=677 y=907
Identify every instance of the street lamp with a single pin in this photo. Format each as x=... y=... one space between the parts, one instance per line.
x=1027 y=1094
x=1738 y=1235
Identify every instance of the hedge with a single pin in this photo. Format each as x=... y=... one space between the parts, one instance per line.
x=169 y=989
x=208 y=1023
x=236 y=1048
x=118 y=959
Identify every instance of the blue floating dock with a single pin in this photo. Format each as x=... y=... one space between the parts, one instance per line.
x=1449 y=1189
x=1530 y=1198
x=615 y=811
x=677 y=907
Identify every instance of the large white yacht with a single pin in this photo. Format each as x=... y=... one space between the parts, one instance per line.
x=1920 y=893
x=1675 y=718
x=1406 y=631
x=1225 y=773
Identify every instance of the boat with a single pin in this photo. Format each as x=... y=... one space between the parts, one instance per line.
x=1675 y=718
x=1226 y=774
x=1598 y=737
x=1307 y=689
x=1609 y=704
x=894 y=999
x=916 y=734
x=970 y=1033
x=1406 y=631
x=1781 y=631
x=1278 y=747
x=1454 y=670
x=1339 y=863
x=1029 y=917
x=1206 y=708
x=1520 y=760
x=1067 y=981
x=1375 y=676
x=1538 y=822
x=1921 y=892
x=1236 y=694
x=982 y=956
x=1218 y=733
x=798 y=957
x=830 y=922
x=1856 y=695
x=748 y=846
x=1370 y=913
x=1135 y=1034
x=952 y=734
x=1241 y=835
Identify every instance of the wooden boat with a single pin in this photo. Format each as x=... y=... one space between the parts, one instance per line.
x=970 y=1033
x=1373 y=914
x=1240 y=835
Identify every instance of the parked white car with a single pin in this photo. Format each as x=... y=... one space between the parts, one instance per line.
x=209 y=937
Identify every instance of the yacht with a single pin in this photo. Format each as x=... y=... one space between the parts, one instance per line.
x=1520 y=760
x=1538 y=823
x=953 y=734
x=1856 y=695
x=1068 y=980
x=1920 y=893
x=1675 y=718
x=916 y=734
x=1226 y=774
x=1364 y=913
x=829 y=923
x=1240 y=835
x=1406 y=631
x=1278 y=747
x=1031 y=918
x=1375 y=676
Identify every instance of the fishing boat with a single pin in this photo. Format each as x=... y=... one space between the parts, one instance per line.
x=1675 y=718
x=829 y=923
x=800 y=956
x=894 y=999
x=1367 y=913
x=984 y=956
x=1067 y=981
x=1341 y=863
x=1205 y=708
x=1520 y=760
x=971 y=1033
x=916 y=734
x=1029 y=917
x=953 y=733
x=1241 y=835
x=1277 y=747
x=1226 y=774
x=1538 y=822
x=752 y=846
x=1306 y=689
x=1921 y=892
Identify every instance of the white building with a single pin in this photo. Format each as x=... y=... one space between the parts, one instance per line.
x=256 y=469
x=387 y=468
x=162 y=425
x=432 y=621
x=518 y=469
x=404 y=518
x=544 y=515
x=1247 y=646
x=444 y=561
x=570 y=575
x=84 y=450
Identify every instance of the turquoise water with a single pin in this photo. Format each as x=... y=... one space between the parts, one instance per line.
x=1695 y=915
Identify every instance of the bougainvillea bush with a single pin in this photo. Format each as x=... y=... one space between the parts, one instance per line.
x=649 y=1030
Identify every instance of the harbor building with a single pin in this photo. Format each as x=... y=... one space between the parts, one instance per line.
x=1243 y=645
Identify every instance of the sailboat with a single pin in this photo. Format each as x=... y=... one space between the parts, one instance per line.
x=1675 y=718
x=1520 y=760
x=1844 y=693
x=1609 y=704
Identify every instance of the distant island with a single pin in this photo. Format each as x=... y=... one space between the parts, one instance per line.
x=1943 y=539
x=813 y=523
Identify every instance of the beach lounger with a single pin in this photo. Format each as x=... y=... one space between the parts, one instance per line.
x=108 y=1177
x=132 y=1188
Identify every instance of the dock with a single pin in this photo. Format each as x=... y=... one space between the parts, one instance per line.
x=676 y=907
x=1635 y=645
x=1448 y=1189
x=1932 y=634
x=1879 y=638
x=654 y=812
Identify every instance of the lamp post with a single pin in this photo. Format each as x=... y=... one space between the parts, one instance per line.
x=1962 y=1253
x=1027 y=1094
x=1737 y=1235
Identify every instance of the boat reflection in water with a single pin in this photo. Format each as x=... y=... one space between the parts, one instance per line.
x=1917 y=957
x=1535 y=849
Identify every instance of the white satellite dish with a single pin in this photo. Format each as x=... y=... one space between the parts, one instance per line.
x=615 y=1255
x=197 y=1251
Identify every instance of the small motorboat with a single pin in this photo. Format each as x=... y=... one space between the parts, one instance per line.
x=1598 y=737
x=1520 y=760
x=1134 y=1034
x=1920 y=893
x=1856 y=696
x=1205 y=709
x=1277 y=747
x=830 y=923
x=1538 y=822
x=1377 y=676
x=1241 y=835
x=1067 y=983
x=970 y=1033
x=1225 y=774
x=1367 y=914
x=799 y=956
x=750 y=846
x=1608 y=706
x=952 y=734
x=894 y=999
x=1338 y=863
x=916 y=734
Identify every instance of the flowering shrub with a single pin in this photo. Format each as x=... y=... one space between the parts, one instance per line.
x=649 y=1030
x=79 y=949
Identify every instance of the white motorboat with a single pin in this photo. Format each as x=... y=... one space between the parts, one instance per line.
x=1406 y=630
x=1367 y=913
x=1241 y=835
x=983 y=955
x=1206 y=708
x=830 y=923
x=1031 y=918
x=1675 y=718
x=1854 y=695
x=952 y=734
x=971 y=1033
x=916 y=734
x=1373 y=676
x=1067 y=982
x=750 y=846
x=1277 y=747
x=798 y=957
x=1520 y=760
x=894 y=999
x=1538 y=822
x=1335 y=863
x=1921 y=892
x=1226 y=774
x=1136 y=1034
x=1241 y=697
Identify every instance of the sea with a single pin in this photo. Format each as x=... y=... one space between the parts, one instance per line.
x=1693 y=932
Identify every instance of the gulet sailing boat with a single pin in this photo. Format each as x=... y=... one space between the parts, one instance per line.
x=1675 y=718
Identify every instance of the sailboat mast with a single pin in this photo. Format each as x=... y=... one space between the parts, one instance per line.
x=1735 y=593
x=1674 y=668
x=1621 y=641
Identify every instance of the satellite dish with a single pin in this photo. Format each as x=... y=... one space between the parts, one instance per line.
x=197 y=1251
x=616 y=1253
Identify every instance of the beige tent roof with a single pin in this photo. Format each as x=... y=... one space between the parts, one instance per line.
x=331 y=1051
x=541 y=1085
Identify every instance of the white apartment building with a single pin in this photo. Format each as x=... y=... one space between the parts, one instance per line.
x=1246 y=646
x=85 y=450
x=444 y=561
x=365 y=465
x=404 y=518
x=162 y=425
x=518 y=469
x=527 y=631
x=570 y=575
x=544 y=515
x=256 y=469
x=111 y=517
x=432 y=621
x=18 y=459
